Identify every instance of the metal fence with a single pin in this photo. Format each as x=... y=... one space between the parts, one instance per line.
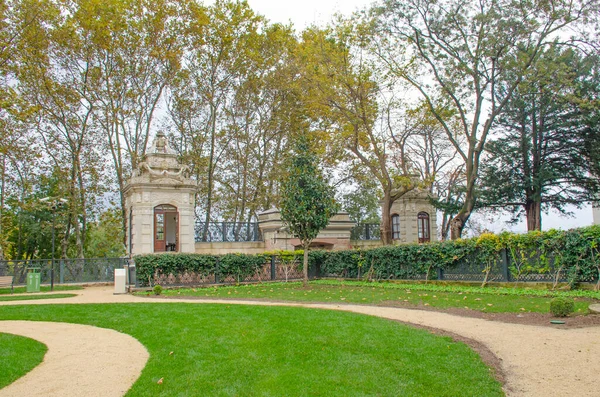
x=274 y=269
x=467 y=269
x=66 y=271
x=226 y=231
x=366 y=231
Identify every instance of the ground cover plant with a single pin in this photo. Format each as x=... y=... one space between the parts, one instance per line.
x=491 y=300
x=18 y=355
x=236 y=350
x=5 y=298
x=43 y=288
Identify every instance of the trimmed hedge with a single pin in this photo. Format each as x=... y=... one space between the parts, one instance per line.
x=571 y=255
x=237 y=266
x=149 y=265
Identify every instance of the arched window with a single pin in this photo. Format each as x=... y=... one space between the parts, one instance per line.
x=423 y=227
x=396 y=227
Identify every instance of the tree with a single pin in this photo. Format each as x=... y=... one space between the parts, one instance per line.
x=352 y=103
x=307 y=202
x=362 y=203
x=538 y=162
x=136 y=50
x=454 y=53
x=227 y=108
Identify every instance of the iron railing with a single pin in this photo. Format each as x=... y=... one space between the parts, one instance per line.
x=226 y=231
x=366 y=231
x=66 y=271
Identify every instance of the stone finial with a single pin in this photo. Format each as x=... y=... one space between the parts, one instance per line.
x=161 y=144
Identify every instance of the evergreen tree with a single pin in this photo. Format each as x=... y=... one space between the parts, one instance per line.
x=308 y=202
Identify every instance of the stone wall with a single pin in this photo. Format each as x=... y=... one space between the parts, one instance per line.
x=222 y=248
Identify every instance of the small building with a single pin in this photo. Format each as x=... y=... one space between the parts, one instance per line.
x=160 y=201
x=413 y=218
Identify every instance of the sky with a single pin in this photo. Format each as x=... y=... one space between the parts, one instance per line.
x=307 y=12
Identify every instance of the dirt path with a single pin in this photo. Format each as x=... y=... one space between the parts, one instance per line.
x=537 y=361
x=81 y=360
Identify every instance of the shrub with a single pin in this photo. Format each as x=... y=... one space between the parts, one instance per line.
x=562 y=306
x=157 y=289
x=149 y=265
x=239 y=266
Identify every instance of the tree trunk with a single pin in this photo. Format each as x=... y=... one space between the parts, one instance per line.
x=386 y=219
x=2 y=206
x=457 y=224
x=533 y=211
x=305 y=245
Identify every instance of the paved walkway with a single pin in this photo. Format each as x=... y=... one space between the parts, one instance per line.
x=538 y=361
x=81 y=361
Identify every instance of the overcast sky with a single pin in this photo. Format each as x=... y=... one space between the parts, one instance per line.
x=307 y=12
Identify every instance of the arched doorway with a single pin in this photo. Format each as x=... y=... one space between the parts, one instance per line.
x=166 y=228
x=423 y=227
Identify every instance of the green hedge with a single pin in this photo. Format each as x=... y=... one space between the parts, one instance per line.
x=148 y=265
x=237 y=266
x=571 y=255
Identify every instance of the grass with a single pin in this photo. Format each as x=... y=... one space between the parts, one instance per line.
x=491 y=300
x=33 y=297
x=18 y=355
x=43 y=288
x=237 y=350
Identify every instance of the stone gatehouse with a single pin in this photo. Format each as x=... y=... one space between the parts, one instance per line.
x=160 y=201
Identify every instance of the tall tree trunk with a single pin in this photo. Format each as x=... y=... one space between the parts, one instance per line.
x=386 y=218
x=533 y=211
x=305 y=246
x=2 y=184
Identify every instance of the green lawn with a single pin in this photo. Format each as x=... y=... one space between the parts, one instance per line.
x=43 y=288
x=236 y=350
x=18 y=355
x=33 y=297
x=493 y=300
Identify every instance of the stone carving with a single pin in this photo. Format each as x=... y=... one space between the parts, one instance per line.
x=161 y=164
x=161 y=144
x=161 y=172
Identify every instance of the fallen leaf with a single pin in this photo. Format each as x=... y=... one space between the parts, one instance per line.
x=160 y=381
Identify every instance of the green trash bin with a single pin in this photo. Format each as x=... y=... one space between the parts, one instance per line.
x=33 y=279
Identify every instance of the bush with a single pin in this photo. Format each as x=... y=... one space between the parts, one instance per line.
x=562 y=306
x=157 y=289
x=149 y=265
x=239 y=266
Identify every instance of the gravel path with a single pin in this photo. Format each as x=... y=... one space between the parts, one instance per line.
x=537 y=361
x=81 y=361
